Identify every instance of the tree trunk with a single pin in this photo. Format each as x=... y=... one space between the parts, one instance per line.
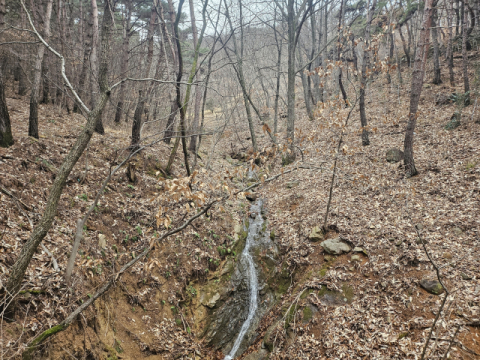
x=94 y=66
x=17 y=271
x=363 y=80
x=416 y=89
x=137 y=122
x=6 y=138
x=45 y=81
x=290 y=156
x=124 y=63
x=466 y=84
x=198 y=94
x=33 y=118
x=406 y=49
x=279 y=44
x=305 y=85
x=450 y=42
x=437 y=79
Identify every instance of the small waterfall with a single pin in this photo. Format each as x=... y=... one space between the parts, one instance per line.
x=253 y=230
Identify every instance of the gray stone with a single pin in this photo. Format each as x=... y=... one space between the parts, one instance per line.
x=335 y=246
x=394 y=155
x=432 y=286
x=356 y=258
x=457 y=231
x=316 y=234
x=212 y=301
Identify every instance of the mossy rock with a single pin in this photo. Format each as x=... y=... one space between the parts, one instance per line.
x=432 y=286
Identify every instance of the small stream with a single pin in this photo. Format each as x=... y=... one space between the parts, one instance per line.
x=254 y=229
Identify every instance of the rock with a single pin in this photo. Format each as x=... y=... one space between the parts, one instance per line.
x=394 y=155
x=335 y=246
x=432 y=286
x=421 y=241
x=292 y=184
x=359 y=249
x=399 y=242
x=261 y=354
x=102 y=242
x=212 y=301
x=316 y=234
x=457 y=231
x=356 y=258
x=443 y=99
x=251 y=197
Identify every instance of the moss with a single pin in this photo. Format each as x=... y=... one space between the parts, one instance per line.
x=306 y=293
x=307 y=313
x=323 y=272
x=402 y=335
x=272 y=235
x=290 y=316
x=322 y=291
x=348 y=292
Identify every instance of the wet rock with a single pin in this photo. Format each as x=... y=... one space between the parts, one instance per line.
x=394 y=155
x=432 y=286
x=335 y=246
x=316 y=234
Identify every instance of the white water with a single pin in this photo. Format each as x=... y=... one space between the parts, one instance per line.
x=253 y=230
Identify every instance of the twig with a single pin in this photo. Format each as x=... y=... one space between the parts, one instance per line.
x=451 y=342
x=6 y=192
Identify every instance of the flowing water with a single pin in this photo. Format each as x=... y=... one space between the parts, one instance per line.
x=253 y=231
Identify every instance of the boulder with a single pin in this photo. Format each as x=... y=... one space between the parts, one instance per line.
x=394 y=155
x=316 y=234
x=102 y=242
x=335 y=246
x=432 y=286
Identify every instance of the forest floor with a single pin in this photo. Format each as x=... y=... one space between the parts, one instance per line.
x=386 y=313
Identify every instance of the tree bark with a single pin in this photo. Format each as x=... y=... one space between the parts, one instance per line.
x=6 y=137
x=291 y=26
x=466 y=85
x=198 y=94
x=437 y=79
x=94 y=66
x=450 y=41
x=124 y=62
x=406 y=49
x=17 y=272
x=137 y=122
x=86 y=56
x=363 y=80
x=33 y=118
x=416 y=89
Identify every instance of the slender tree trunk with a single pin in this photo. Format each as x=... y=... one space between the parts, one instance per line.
x=437 y=79
x=279 y=44
x=457 y=17
x=17 y=271
x=33 y=118
x=86 y=57
x=94 y=66
x=238 y=50
x=198 y=94
x=137 y=122
x=305 y=85
x=466 y=84
x=406 y=49
x=6 y=137
x=339 y=47
x=416 y=89
x=124 y=63
x=290 y=157
x=363 y=80
x=450 y=41
x=45 y=80
x=23 y=79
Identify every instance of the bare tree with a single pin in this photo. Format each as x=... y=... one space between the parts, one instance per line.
x=33 y=118
x=416 y=89
x=466 y=84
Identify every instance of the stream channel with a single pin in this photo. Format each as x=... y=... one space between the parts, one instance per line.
x=243 y=299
